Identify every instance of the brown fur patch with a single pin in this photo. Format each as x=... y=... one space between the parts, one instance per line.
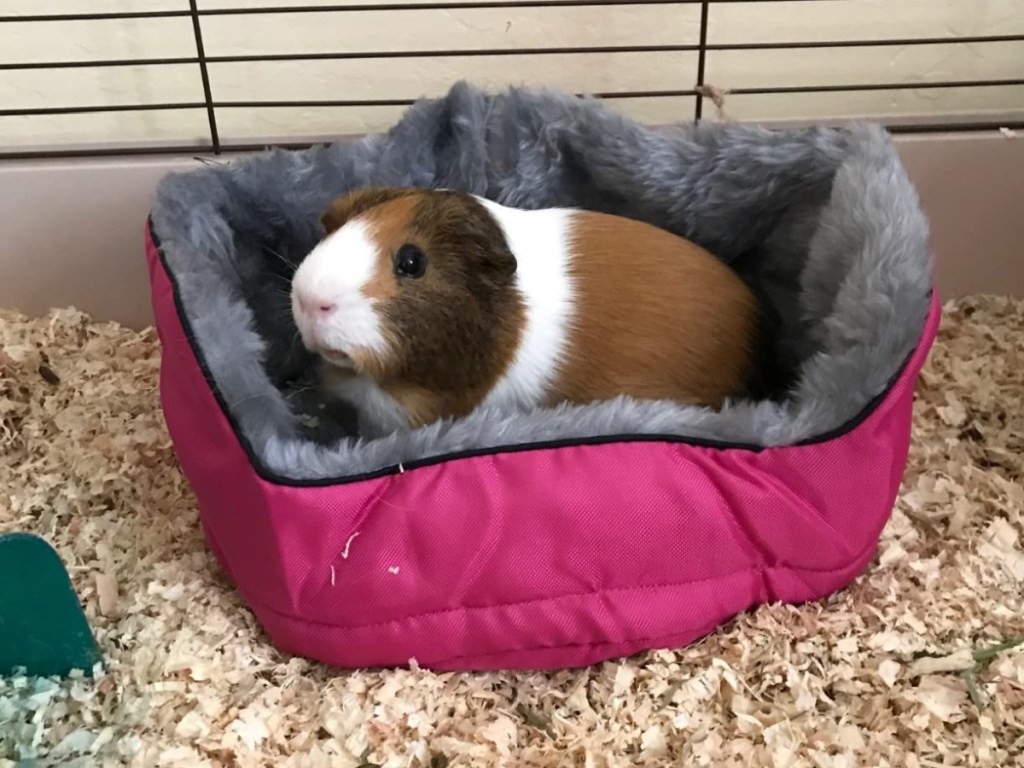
x=358 y=201
x=657 y=317
x=390 y=227
x=454 y=330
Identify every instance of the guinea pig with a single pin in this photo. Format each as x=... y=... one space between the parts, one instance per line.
x=425 y=304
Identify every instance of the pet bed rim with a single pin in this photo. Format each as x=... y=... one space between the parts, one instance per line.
x=273 y=477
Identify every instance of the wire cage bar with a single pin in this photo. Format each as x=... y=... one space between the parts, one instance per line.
x=698 y=89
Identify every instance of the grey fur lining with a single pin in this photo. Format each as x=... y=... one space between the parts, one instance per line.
x=824 y=221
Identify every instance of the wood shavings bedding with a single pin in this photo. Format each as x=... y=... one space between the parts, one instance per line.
x=916 y=664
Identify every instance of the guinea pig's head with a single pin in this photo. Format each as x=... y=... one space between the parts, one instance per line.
x=412 y=286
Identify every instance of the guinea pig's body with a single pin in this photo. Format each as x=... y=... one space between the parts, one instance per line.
x=428 y=304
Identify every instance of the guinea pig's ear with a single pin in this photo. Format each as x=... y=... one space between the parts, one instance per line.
x=501 y=262
x=358 y=201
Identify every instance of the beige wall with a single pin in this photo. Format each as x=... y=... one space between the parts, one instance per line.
x=493 y=28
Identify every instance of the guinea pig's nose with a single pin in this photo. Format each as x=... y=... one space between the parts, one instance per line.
x=317 y=305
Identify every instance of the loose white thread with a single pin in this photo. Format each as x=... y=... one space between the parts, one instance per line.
x=393 y=570
x=332 y=575
x=401 y=469
x=344 y=555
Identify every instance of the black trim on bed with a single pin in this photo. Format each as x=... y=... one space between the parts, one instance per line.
x=273 y=477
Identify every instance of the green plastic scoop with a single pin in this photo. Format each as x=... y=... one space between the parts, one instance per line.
x=42 y=626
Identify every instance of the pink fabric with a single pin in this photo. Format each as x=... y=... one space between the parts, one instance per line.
x=533 y=559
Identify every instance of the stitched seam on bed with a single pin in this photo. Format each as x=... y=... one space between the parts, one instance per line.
x=514 y=604
x=539 y=600
x=655 y=639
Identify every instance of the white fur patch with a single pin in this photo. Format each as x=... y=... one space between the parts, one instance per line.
x=335 y=273
x=540 y=242
x=379 y=414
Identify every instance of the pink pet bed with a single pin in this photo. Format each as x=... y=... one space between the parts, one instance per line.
x=572 y=535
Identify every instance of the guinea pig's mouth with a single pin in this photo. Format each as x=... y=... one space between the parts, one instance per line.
x=336 y=357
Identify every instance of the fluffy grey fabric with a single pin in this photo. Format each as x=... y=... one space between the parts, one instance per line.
x=822 y=221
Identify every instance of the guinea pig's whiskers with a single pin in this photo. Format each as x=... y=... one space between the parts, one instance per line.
x=282 y=315
x=288 y=263
x=279 y=292
x=287 y=281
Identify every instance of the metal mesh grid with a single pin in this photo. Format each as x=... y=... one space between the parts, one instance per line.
x=698 y=90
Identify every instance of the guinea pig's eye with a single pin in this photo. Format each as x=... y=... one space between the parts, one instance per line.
x=410 y=261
